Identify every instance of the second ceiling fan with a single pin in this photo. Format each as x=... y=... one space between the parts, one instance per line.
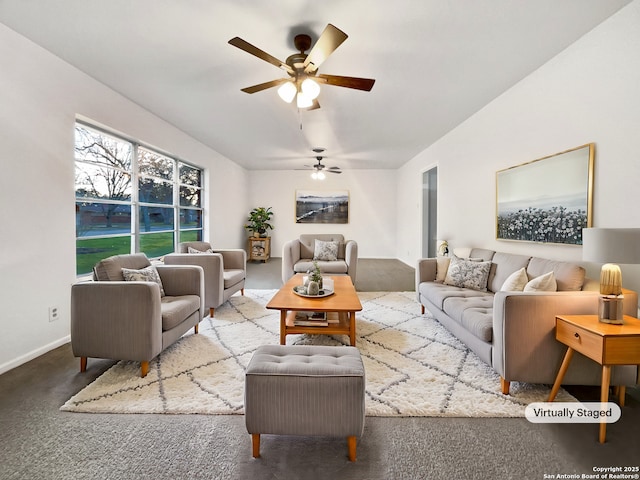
x=319 y=168
x=304 y=79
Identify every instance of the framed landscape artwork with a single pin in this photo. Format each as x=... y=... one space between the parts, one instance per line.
x=547 y=200
x=327 y=206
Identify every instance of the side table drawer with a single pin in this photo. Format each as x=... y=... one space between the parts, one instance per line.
x=581 y=340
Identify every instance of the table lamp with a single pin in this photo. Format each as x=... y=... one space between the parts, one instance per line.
x=611 y=246
x=443 y=248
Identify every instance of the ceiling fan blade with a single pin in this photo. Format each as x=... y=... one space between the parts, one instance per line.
x=256 y=52
x=334 y=168
x=330 y=39
x=264 y=86
x=314 y=106
x=333 y=171
x=348 y=82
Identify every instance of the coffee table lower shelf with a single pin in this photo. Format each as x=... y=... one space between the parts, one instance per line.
x=342 y=327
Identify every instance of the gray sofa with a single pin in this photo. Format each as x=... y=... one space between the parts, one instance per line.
x=298 y=254
x=514 y=331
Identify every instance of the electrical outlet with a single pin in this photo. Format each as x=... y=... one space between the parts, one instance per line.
x=53 y=314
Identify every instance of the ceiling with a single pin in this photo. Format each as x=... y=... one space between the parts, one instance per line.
x=435 y=63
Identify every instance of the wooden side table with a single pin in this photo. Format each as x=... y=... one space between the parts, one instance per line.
x=259 y=248
x=602 y=342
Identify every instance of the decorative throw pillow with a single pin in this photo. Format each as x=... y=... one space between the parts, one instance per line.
x=195 y=250
x=327 y=251
x=468 y=274
x=543 y=283
x=147 y=274
x=516 y=281
x=442 y=265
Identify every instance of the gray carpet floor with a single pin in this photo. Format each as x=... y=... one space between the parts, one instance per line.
x=40 y=442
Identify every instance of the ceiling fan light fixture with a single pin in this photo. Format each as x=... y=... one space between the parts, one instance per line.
x=303 y=101
x=310 y=88
x=287 y=91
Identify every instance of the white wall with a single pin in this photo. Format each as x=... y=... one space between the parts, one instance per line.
x=40 y=96
x=588 y=93
x=372 y=207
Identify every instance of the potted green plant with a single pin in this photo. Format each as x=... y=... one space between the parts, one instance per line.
x=315 y=275
x=258 y=221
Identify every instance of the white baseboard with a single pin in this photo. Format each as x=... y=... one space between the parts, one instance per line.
x=33 y=354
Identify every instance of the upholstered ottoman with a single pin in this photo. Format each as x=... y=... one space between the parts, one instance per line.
x=305 y=390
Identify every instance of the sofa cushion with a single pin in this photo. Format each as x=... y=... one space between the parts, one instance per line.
x=232 y=276
x=516 y=281
x=110 y=269
x=147 y=274
x=543 y=283
x=176 y=310
x=481 y=254
x=327 y=251
x=569 y=276
x=442 y=265
x=308 y=243
x=183 y=247
x=503 y=265
x=303 y=266
x=196 y=251
x=468 y=274
x=437 y=293
x=475 y=314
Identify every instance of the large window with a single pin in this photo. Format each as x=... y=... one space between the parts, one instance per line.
x=130 y=198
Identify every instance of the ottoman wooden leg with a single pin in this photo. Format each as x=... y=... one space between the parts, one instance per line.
x=255 y=444
x=351 y=445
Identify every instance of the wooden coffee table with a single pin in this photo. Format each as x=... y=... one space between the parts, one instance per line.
x=344 y=302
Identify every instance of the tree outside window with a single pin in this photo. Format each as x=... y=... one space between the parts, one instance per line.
x=130 y=198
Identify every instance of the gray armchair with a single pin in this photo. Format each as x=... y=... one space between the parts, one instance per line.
x=225 y=270
x=132 y=320
x=298 y=255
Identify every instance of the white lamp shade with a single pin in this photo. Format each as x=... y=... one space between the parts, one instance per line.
x=320 y=175
x=287 y=91
x=303 y=101
x=310 y=88
x=611 y=245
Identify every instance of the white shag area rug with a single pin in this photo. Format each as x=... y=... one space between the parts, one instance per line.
x=413 y=365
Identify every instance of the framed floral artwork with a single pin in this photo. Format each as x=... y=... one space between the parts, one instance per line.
x=548 y=200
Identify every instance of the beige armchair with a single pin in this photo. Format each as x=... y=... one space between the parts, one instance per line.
x=225 y=270
x=133 y=320
x=298 y=256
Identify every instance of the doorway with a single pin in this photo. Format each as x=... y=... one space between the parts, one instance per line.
x=429 y=212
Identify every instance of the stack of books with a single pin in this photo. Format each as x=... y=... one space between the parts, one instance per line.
x=311 y=319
